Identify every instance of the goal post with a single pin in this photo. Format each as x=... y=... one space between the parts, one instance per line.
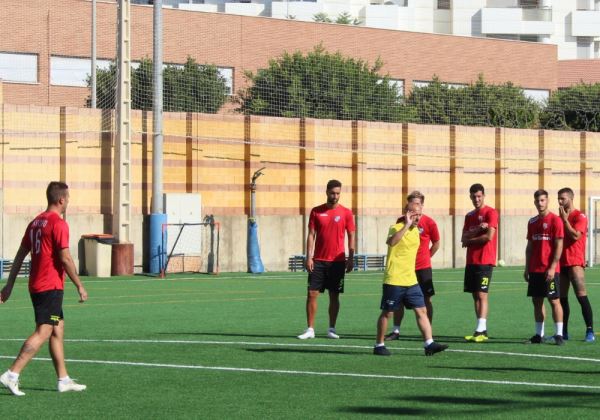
x=592 y=229
x=192 y=247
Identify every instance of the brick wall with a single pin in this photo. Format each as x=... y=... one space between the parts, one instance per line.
x=48 y=27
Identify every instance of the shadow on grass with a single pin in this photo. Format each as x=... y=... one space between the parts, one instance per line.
x=220 y=334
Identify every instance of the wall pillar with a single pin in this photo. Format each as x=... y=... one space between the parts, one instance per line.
x=544 y=172
x=409 y=166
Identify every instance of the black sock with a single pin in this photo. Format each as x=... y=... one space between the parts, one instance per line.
x=586 y=311
x=564 y=302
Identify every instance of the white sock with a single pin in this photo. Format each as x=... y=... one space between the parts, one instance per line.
x=396 y=329
x=481 y=325
x=64 y=380
x=380 y=345
x=428 y=342
x=539 y=328
x=310 y=329
x=13 y=376
x=558 y=328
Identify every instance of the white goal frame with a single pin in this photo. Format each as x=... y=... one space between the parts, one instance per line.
x=592 y=229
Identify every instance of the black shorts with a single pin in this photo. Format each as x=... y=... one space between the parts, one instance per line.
x=477 y=278
x=539 y=287
x=425 y=279
x=393 y=297
x=47 y=307
x=327 y=275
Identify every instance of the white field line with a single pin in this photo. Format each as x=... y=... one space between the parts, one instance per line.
x=314 y=345
x=313 y=373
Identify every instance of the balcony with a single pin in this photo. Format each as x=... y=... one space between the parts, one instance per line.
x=585 y=23
x=516 y=21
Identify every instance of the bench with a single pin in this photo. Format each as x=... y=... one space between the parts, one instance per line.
x=362 y=262
x=6 y=266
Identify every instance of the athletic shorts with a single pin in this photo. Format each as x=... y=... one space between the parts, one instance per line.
x=47 y=307
x=394 y=297
x=539 y=287
x=327 y=275
x=425 y=279
x=477 y=278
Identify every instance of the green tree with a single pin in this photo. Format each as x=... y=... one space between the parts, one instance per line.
x=322 y=17
x=322 y=85
x=187 y=88
x=574 y=108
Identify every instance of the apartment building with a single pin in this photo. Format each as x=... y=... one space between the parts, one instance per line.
x=572 y=25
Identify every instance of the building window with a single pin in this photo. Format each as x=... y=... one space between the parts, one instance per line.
x=19 y=68
x=528 y=4
x=538 y=95
x=584 y=47
x=444 y=4
x=227 y=74
x=398 y=85
x=420 y=83
x=71 y=71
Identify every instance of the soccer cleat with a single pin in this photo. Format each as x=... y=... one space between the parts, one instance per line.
x=477 y=337
x=70 y=385
x=536 y=339
x=381 y=351
x=11 y=385
x=331 y=334
x=392 y=336
x=558 y=340
x=309 y=333
x=590 y=337
x=434 y=348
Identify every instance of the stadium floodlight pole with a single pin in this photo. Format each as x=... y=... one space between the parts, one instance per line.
x=158 y=219
x=93 y=104
x=255 y=264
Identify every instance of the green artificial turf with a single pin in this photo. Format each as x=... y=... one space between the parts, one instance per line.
x=197 y=346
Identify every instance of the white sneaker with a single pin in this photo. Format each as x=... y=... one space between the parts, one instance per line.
x=309 y=333
x=13 y=386
x=331 y=334
x=71 y=385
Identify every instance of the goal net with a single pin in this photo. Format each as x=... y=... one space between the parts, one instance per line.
x=191 y=247
x=593 y=230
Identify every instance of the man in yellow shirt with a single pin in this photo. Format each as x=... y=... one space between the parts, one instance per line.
x=400 y=286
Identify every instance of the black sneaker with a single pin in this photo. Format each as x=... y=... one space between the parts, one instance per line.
x=558 y=340
x=536 y=339
x=392 y=336
x=434 y=348
x=381 y=351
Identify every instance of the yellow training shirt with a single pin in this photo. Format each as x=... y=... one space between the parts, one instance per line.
x=400 y=263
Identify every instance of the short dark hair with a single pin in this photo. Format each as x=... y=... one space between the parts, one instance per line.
x=334 y=183
x=55 y=191
x=567 y=190
x=416 y=194
x=539 y=193
x=476 y=187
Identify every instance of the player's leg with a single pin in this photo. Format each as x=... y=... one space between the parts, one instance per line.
x=425 y=278
x=57 y=352
x=334 y=310
x=565 y=282
x=398 y=316
x=391 y=299
x=429 y=307
x=423 y=323
x=553 y=295
x=316 y=280
x=414 y=299
x=335 y=285
x=578 y=280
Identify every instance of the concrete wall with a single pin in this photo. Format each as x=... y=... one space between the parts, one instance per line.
x=215 y=155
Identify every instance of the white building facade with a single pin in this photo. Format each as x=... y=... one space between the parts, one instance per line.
x=573 y=25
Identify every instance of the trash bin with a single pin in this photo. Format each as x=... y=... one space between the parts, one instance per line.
x=98 y=253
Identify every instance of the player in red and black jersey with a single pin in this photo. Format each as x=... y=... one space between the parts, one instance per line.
x=572 y=262
x=326 y=260
x=429 y=245
x=542 y=266
x=47 y=239
x=479 y=237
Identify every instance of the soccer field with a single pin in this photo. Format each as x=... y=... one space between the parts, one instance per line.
x=220 y=346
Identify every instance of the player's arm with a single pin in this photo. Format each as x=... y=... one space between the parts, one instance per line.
x=484 y=238
x=351 y=247
x=570 y=230
x=435 y=246
x=310 y=249
x=527 y=259
x=14 y=271
x=67 y=261
x=558 y=246
x=396 y=237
